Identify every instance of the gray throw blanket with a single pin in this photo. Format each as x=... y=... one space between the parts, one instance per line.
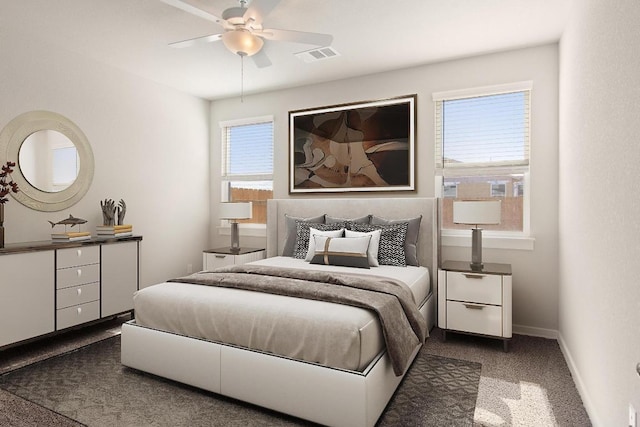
x=404 y=328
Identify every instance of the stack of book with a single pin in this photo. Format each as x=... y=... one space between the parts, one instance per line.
x=114 y=230
x=70 y=236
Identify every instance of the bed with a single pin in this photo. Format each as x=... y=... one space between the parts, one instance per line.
x=304 y=380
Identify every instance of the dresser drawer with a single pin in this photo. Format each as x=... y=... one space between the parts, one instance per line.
x=473 y=287
x=77 y=295
x=74 y=276
x=219 y=260
x=475 y=318
x=71 y=316
x=77 y=256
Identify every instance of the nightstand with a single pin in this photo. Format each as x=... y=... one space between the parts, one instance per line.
x=214 y=258
x=475 y=302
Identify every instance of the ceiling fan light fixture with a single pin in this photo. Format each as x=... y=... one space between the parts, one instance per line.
x=242 y=42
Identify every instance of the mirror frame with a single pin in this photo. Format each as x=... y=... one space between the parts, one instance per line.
x=11 y=139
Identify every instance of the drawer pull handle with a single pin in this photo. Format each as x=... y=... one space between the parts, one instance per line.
x=79 y=311
x=474 y=306
x=473 y=276
x=79 y=272
x=79 y=252
x=220 y=256
x=79 y=291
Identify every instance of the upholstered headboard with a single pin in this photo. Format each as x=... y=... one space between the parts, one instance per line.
x=390 y=208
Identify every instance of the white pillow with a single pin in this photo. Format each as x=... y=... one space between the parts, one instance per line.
x=347 y=252
x=312 y=241
x=374 y=243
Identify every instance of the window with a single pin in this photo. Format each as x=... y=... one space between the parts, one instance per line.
x=498 y=189
x=247 y=164
x=482 y=151
x=450 y=189
x=518 y=189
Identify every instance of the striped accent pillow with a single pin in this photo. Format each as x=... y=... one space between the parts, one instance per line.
x=347 y=252
x=374 y=244
x=312 y=242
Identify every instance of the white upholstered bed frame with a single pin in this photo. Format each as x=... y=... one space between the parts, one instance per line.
x=324 y=395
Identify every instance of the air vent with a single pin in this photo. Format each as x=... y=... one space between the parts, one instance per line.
x=318 y=54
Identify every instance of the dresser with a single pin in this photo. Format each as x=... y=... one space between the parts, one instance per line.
x=47 y=287
x=220 y=257
x=476 y=302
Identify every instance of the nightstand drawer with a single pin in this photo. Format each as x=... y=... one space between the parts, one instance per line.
x=215 y=258
x=219 y=260
x=473 y=287
x=475 y=318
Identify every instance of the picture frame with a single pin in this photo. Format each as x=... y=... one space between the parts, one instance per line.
x=361 y=146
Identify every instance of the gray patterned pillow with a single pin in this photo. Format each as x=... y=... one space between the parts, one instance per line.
x=302 y=240
x=392 y=238
x=411 y=243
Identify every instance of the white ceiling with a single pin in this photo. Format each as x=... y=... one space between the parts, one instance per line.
x=370 y=35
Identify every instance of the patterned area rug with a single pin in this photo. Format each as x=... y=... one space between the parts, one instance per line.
x=90 y=386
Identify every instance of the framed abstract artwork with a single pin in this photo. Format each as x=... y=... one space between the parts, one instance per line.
x=365 y=146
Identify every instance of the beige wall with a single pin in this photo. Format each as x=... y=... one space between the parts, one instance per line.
x=150 y=145
x=535 y=271
x=600 y=207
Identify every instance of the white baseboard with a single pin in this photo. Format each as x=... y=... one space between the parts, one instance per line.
x=535 y=332
x=577 y=379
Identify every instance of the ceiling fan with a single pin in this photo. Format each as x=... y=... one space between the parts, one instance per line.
x=243 y=33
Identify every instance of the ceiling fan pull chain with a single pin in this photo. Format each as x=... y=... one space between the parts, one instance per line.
x=241 y=78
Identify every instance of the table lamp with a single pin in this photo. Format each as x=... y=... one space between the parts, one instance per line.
x=476 y=213
x=233 y=211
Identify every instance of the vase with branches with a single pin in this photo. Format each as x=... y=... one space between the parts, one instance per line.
x=7 y=185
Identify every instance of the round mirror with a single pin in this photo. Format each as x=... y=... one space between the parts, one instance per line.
x=54 y=160
x=49 y=161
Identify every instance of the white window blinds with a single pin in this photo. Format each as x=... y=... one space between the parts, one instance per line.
x=480 y=132
x=247 y=164
x=248 y=151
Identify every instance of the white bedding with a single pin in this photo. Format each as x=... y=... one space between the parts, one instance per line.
x=330 y=334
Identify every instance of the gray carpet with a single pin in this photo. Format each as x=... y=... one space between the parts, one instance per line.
x=26 y=354
x=531 y=385
x=90 y=386
x=18 y=412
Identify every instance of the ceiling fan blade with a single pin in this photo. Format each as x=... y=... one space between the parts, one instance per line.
x=259 y=9
x=197 y=40
x=195 y=7
x=316 y=39
x=261 y=59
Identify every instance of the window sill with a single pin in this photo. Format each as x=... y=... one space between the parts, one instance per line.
x=489 y=240
x=251 y=230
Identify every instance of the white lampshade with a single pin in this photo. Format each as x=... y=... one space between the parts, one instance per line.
x=235 y=210
x=477 y=212
x=242 y=42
